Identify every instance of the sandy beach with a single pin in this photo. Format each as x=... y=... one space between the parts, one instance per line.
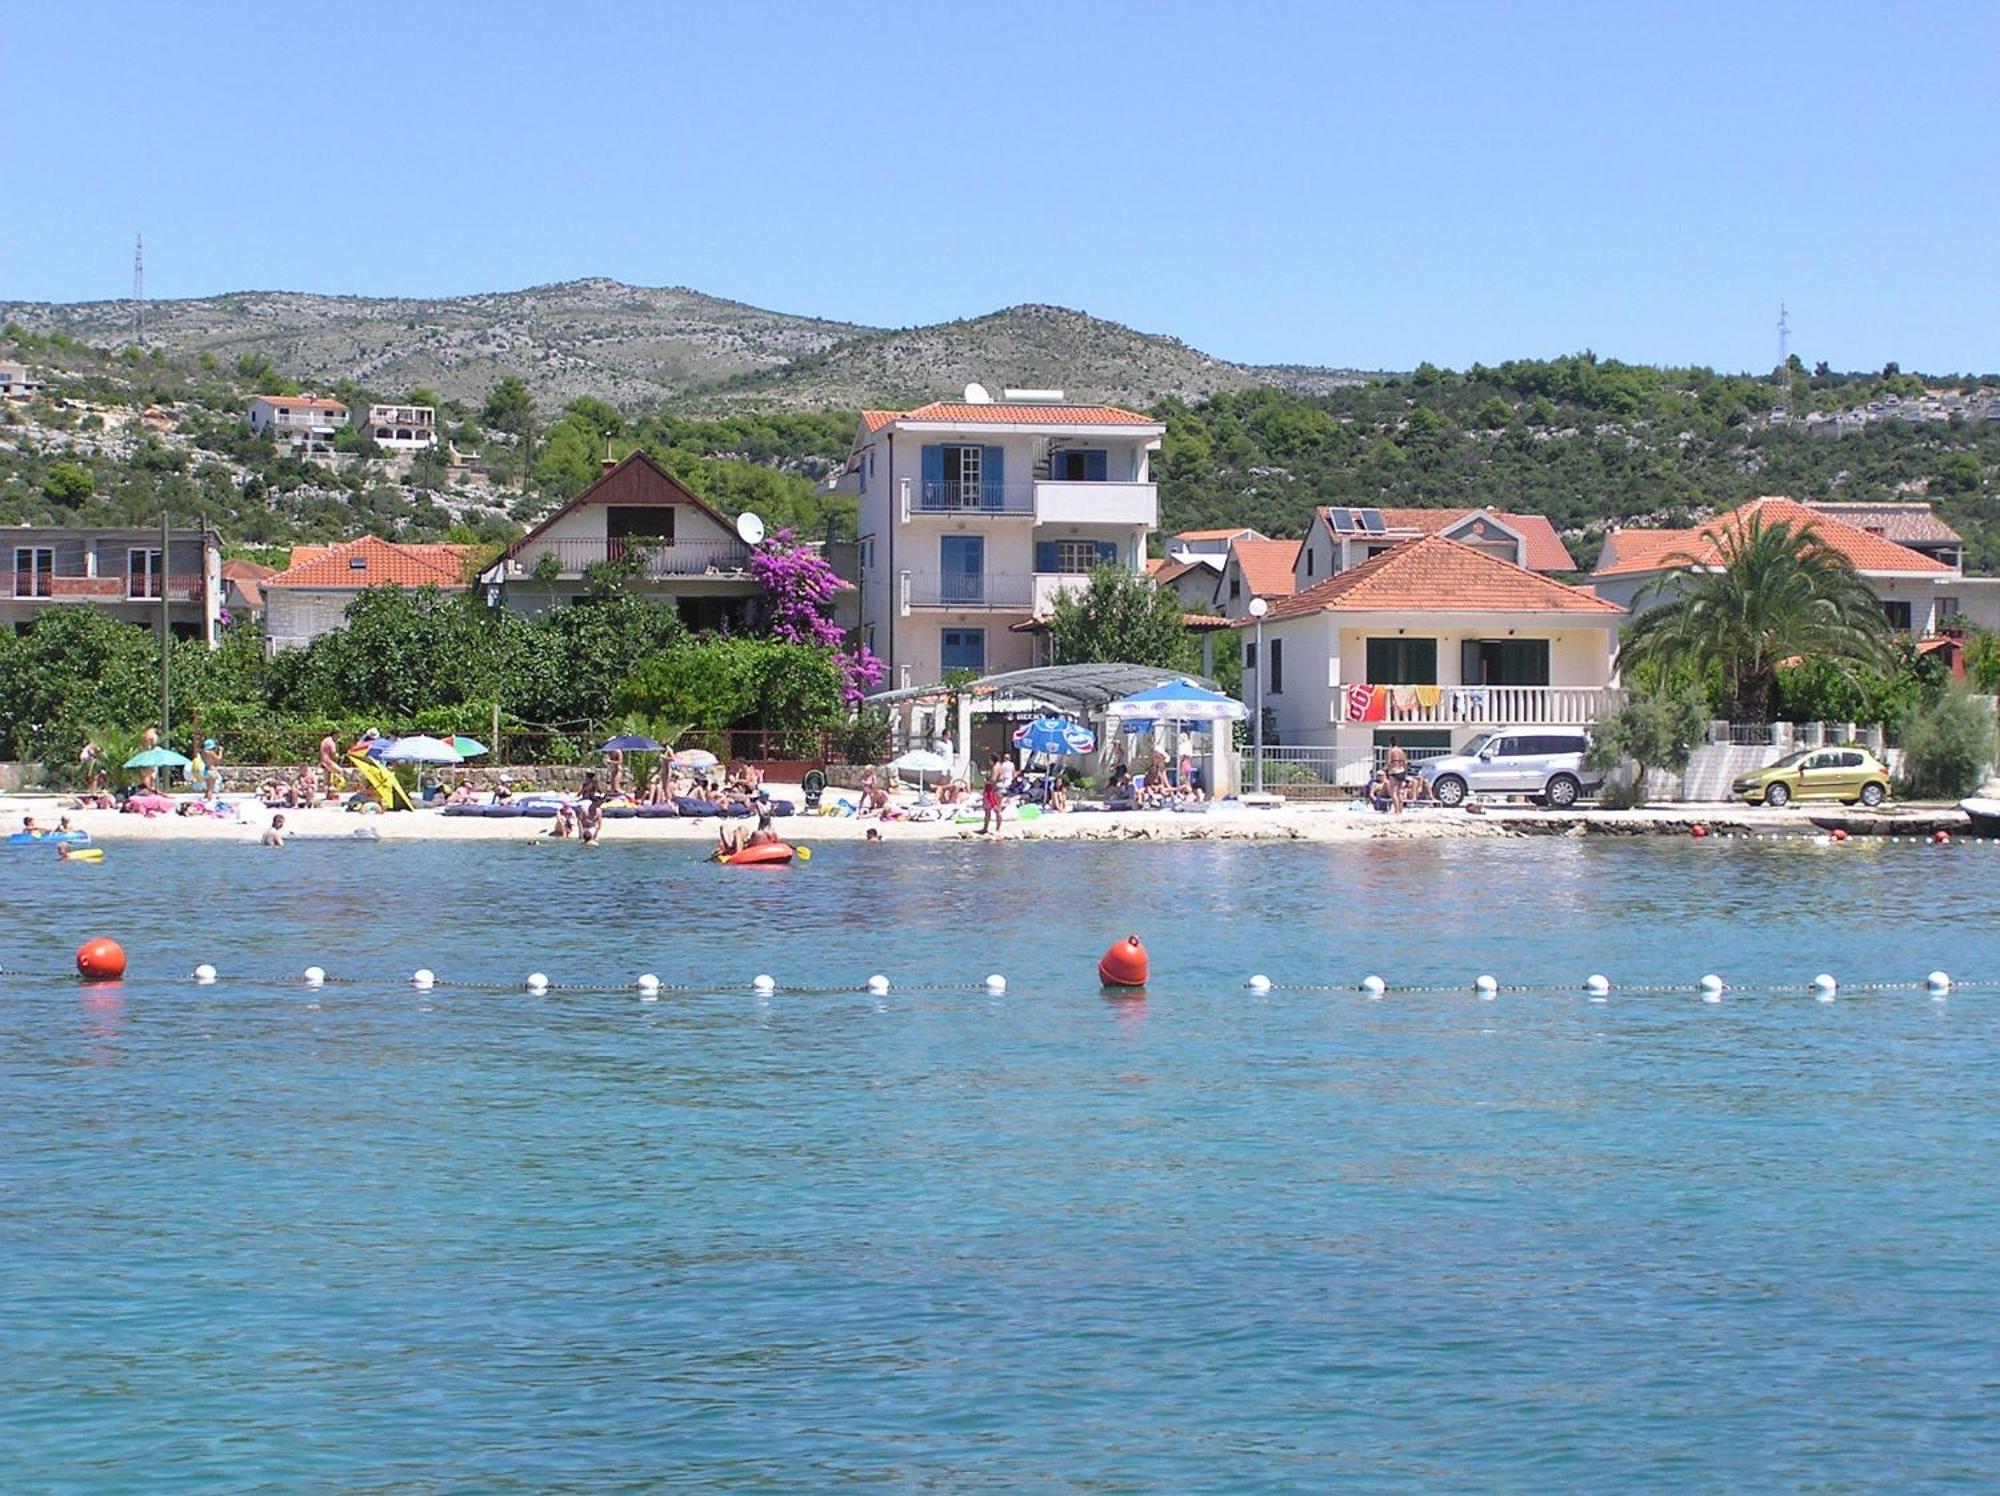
x=1227 y=820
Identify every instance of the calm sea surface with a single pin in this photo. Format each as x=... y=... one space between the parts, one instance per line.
x=365 y=1239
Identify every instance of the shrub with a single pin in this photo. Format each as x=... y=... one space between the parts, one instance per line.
x=1948 y=746
x=1656 y=730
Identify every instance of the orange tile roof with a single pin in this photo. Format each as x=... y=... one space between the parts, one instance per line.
x=1635 y=552
x=1434 y=575
x=387 y=565
x=1001 y=413
x=1546 y=551
x=875 y=420
x=1157 y=564
x=302 y=402
x=1266 y=565
x=1904 y=523
x=248 y=578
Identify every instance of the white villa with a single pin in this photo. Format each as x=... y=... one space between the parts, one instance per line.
x=975 y=513
x=398 y=428
x=306 y=423
x=1430 y=642
x=637 y=515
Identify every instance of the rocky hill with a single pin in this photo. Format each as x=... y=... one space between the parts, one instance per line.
x=634 y=346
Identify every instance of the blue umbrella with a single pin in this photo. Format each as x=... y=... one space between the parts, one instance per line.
x=1055 y=736
x=1180 y=699
x=630 y=743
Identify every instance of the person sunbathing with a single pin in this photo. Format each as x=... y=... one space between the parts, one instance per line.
x=565 y=823
x=873 y=796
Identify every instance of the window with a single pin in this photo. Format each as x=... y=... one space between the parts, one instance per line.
x=1898 y=614
x=638 y=522
x=962 y=649
x=1075 y=556
x=1277 y=686
x=865 y=553
x=1402 y=662
x=961 y=475
x=1850 y=759
x=1078 y=467
x=1235 y=588
x=1250 y=656
x=34 y=571
x=143 y=573
x=1947 y=609
x=1309 y=560
x=1504 y=662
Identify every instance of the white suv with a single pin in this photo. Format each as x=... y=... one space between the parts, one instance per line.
x=1546 y=762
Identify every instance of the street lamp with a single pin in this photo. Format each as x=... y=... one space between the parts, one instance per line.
x=1258 y=608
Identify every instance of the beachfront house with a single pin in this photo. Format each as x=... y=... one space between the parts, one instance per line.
x=639 y=524
x=243 y=590
x=305 y=423
x=975 y=513
x=310 y=597
x=398 y=428
x=1340 y=537
x=128 y=574
x=1431 y=642
x=1192 y=579
x=1920 y=592
x=1254 y=568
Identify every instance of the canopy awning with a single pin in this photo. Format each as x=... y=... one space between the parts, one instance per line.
x=1079 y=690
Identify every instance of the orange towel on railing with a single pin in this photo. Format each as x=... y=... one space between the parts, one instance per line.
x=1367 y=703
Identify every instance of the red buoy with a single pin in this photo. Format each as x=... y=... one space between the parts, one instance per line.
x=1125 y=964
x=1697 y=831
x=1941 y=837
x=100 y=960
x=1840 y=833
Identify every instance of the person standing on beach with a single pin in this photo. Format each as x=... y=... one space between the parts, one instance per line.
x=990 y=797
x=329 y=768
x=1396 y=764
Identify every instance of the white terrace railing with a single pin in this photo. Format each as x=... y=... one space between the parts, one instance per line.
x=1472 y=706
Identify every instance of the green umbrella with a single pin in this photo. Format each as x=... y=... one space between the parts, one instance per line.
x=468 y=747
x=156 y=758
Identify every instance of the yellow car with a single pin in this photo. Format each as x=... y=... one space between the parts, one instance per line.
x=1843 y=774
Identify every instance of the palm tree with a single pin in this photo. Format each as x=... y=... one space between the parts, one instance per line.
x=1769 y=593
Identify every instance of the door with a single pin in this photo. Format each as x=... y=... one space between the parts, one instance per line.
x=1820 y=776
x=1501 y=773
x=34 y=570
x=962 y=569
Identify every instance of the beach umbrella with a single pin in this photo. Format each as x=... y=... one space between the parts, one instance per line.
x=420 y=750
x=157 y=758
x=632 y=743
x=1055 y=736
x=469 y=747
x=921 y=761
x=1181 y=700
x=694 y=758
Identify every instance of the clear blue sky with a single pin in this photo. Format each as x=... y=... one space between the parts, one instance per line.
x=1314 y=183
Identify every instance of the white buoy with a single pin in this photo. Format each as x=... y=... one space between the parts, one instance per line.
x=763 y=986
x=1373 y=986
x=996 y=984
x=1711 y=988
x=1938 y=982
x=1260 y=983
x=204 y=975
x=423 y=979
x=1824 y=987
x=1486 y=987
x=649 y=988
x=878 y=985
x=537 y=983
x=315 y=977
x=1597 y=985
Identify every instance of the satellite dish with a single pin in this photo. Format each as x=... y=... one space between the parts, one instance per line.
x=749 y=528
x=975 y=394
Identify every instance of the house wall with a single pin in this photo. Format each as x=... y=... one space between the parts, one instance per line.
x=294 y=616
x=1921 y=593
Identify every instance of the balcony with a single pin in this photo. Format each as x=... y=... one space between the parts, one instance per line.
x=1070 y=503
x=42 y=587
x=1007 y=592
x=1473 y=706
x=652 y=560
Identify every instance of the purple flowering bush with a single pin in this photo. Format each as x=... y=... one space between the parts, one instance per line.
x=799 y=587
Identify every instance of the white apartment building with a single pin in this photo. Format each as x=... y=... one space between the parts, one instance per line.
x=305 y=422
x=398 y=428
x=16 y=383
x=975 y=513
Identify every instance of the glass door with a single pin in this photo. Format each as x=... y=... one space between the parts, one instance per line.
x=34 y=571
x=962 y=569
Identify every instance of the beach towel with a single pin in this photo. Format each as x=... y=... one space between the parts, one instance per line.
x=1404 y=697
x=1358 y=697
x=1429 y=696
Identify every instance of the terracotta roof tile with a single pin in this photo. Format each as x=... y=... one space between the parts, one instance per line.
x=1546 y=551
x=248 y=578
x=302 y=402
x=1635 y=552
x=1434 y=575
x=385 y=564
x=1001 y=413
x=1266 y=565
x=1906 y=524
x=875 y=420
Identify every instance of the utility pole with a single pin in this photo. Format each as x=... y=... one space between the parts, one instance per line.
x=166 y=640
x=139 y=289
x=1258 y=608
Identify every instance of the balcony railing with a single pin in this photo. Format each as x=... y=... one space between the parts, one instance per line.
x=1012 y=592
x=31 y=586
x=648 y=558
x=939 y=497
x=1471 y=706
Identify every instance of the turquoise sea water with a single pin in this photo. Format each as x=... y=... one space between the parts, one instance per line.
x=259 y=1238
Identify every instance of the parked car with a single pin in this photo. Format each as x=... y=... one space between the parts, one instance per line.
x=1545 y=762
x=1843 y=774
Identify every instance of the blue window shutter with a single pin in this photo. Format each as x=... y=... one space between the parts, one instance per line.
x=1094 y=467
x=1107 y=551
x=932 y=487
x=992 y=474
x=1045 y=555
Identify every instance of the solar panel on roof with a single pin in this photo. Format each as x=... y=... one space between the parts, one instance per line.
x=1371 y=521
x=1343 y=521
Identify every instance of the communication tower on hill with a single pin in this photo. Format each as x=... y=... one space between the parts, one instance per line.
x=1784 y=337
x=139 y=289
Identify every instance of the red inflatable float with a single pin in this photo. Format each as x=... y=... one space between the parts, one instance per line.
x=769 y=854
x=1125 y=964
x=100 y=960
